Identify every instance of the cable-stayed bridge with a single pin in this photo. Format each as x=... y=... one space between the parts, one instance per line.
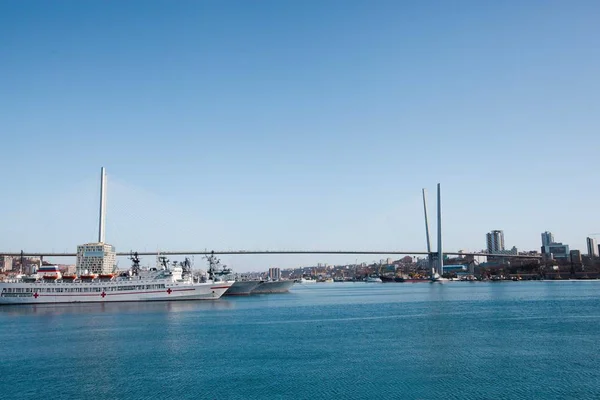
x=259 y=252
x=436 y=257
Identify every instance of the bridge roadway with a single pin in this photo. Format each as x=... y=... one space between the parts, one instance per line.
x=248 y=252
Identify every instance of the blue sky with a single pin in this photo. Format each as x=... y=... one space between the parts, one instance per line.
x=298 y=124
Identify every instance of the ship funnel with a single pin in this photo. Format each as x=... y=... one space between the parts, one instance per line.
x=102 y=206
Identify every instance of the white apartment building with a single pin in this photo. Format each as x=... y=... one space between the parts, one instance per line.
x=96 y=258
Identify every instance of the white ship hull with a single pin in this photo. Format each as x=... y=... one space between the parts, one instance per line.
x=104 y=292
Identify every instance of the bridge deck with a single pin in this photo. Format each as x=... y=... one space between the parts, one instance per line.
x=248 y=252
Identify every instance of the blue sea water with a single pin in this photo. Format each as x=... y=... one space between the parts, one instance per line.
x=514 y=340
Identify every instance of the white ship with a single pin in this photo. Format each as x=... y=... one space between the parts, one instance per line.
x=48 y=286
x=95 y=281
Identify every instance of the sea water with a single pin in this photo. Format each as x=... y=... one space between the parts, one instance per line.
x=506 y=340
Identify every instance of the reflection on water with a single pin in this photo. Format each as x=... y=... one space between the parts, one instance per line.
x=117 y=307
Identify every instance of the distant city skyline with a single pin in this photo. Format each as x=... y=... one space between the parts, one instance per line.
x=297 y=125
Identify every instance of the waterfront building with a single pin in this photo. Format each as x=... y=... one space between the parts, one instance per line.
x=6 y=263
x=274 y=274
x=557 y=250
x=31 y=265
x=495 y=241
x=547 y=238
x=96 y=258
x=575 y=256
x=552 y=249
x=23 y=265
x=592 y=247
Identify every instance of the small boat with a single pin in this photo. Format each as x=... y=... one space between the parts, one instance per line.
x=106 y=276
x=50 y=277
x=69 y=277
x=88 y=277
x=373 y=279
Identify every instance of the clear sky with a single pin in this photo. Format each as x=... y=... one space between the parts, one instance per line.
x=298 y=124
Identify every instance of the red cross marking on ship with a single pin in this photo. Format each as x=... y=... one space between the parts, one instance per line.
x=35 y=295
x=102 y=294
x=169 y=290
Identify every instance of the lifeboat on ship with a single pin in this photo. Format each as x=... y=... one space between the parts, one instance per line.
x=106 y=277
x=88 y=277
x=69 y=277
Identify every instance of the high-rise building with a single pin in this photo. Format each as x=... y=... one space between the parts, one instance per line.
x=274 y=274
x=95 y=258
x=575 y=256
x=592 y=247
x=547 y=238
x=495 y=241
